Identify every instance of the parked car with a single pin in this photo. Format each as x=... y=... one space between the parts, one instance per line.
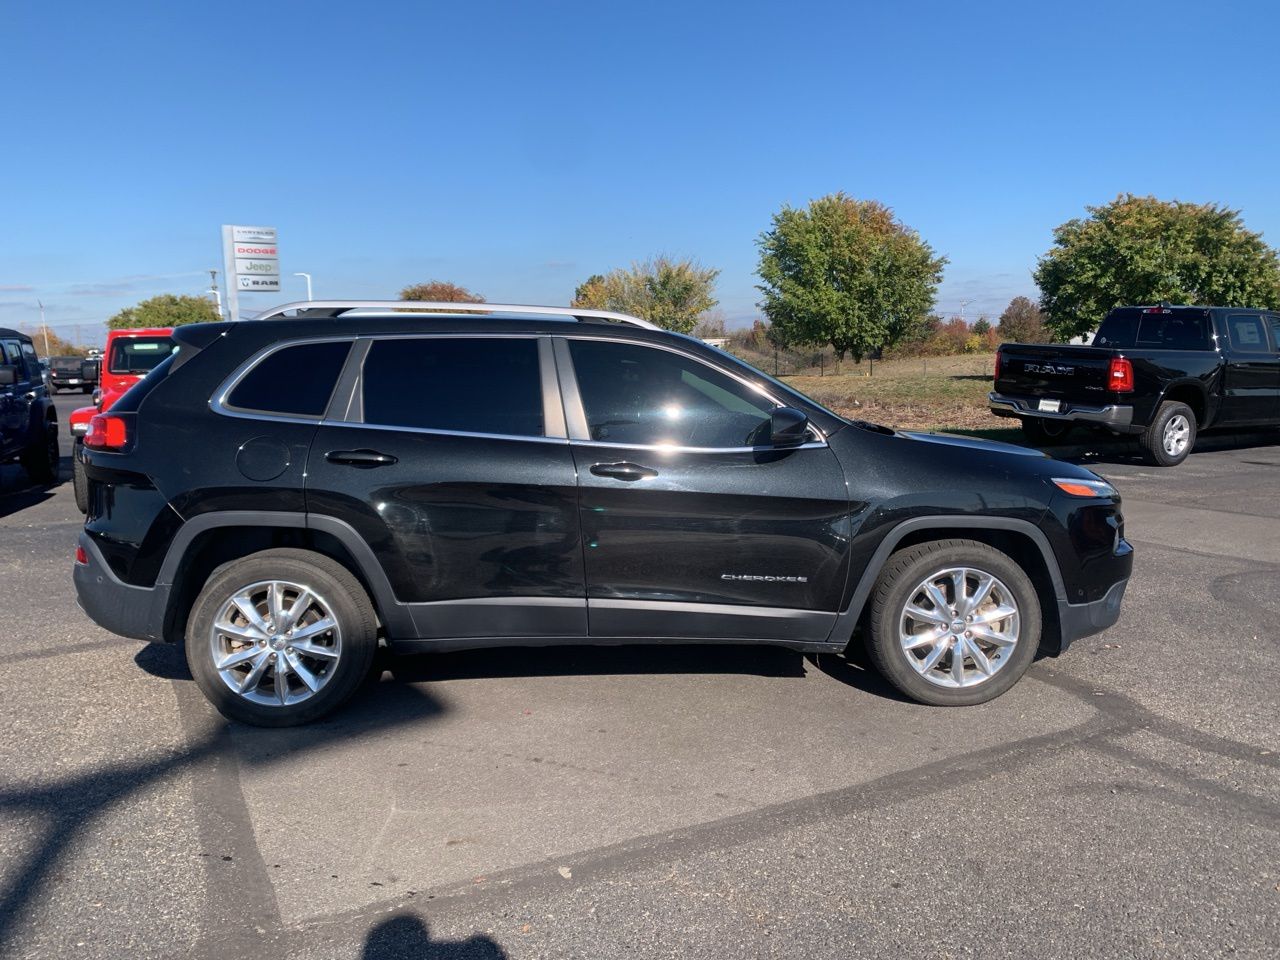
x=130 y=355
x=67 y=373
x=276 y=495
x=28 y=422
x=1161 y=374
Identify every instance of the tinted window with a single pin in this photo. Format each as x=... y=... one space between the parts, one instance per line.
x=1166 y=330
x=1248 y=334
x=296 y=381
x=138 y=354
x=13 y=355
x=469 y=385
x=642 y=395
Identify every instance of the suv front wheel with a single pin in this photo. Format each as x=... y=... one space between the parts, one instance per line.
x=953 y=622
x=280 y=637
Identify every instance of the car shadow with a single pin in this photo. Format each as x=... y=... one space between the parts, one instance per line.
x=17 y=492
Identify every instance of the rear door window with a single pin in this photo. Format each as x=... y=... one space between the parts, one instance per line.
x=1248 y=333
x=294 y=381
x=490 y=385
x=13 y=355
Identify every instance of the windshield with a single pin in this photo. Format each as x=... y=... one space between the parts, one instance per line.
x=65 y=364
x=138 y=354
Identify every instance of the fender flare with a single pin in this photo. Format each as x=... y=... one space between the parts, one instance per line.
x=848 y=619
x=1210 y=408
x=395 y=615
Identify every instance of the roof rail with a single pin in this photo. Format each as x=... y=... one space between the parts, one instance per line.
x=337 y=308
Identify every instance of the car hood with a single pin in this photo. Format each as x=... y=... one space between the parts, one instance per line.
x=972 y=443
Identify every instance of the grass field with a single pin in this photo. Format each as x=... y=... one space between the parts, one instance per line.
x=938 y=393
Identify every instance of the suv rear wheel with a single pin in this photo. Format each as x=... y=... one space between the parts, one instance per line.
x=41 y=460
x=953 y=622
x=280 y=637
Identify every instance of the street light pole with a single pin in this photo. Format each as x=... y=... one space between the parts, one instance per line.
x=308 y=278
x=217 y=294
x=45 y=327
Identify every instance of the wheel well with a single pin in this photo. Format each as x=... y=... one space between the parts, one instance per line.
x=1022 y=549
x=1192 y=396
x=219 y=546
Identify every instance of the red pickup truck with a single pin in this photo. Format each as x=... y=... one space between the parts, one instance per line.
x=129 y=356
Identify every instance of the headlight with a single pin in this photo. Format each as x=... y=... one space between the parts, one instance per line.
x=1084 y=488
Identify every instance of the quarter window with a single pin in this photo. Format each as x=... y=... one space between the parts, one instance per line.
x=293 y=381
x=461 y=384
x=640 y=395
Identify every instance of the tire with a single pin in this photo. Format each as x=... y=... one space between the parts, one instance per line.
x=1045 y=433
x=908 y=669
x=1171 y=435
x=336 y=595
x=79 y=479
x=86 y=389
x=42 y=460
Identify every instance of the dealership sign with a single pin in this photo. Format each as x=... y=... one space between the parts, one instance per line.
x=251 y=261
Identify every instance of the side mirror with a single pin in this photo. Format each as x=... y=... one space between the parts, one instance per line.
x=8 y=375
x=788 y=427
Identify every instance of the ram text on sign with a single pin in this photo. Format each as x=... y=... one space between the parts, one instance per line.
x=258 y=284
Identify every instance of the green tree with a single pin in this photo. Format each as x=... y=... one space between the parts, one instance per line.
x=1021 y=322
x=440 y=291
x=1144 y=250
x=848 y=273
x=166 y=310
x=671 y=293
x=982 y=326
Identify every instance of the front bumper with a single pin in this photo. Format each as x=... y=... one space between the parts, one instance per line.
x=1079 y=620
x=134 y=612
x=1116 y=416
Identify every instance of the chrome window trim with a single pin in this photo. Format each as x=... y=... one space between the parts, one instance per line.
x=676 y=448
x=444 y=433
x=569 y=385
x=218 y=402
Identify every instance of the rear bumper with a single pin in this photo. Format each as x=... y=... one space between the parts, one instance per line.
x=1079 y=620
x=134 y=612
x=1116 y=416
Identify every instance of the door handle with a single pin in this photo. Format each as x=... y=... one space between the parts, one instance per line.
x=360 y=458
x=623 y=470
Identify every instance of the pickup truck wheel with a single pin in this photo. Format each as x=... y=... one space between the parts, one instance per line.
x=79 y=479
x=1170 y=437
x=41 y=461
x=280 y=637
x=953 y=622
x=1043 y=433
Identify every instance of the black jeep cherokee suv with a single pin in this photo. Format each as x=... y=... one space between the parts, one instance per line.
x=283 y=493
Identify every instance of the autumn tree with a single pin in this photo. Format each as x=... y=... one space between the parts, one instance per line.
x=847 y=273
x=663 y=290
x=440 y=291
x=1021 y=322
x=1144 y=250
x=166 y=310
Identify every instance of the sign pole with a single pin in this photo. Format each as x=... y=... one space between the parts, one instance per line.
x=229 y=272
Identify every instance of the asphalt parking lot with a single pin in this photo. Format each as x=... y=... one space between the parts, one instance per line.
x=1122 y=801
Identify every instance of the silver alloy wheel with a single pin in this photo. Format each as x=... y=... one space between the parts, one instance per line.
x=959 y=627
x=1177 y=434
x=275 y=643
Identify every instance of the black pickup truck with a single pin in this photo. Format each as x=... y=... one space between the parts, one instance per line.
x=1160 y=373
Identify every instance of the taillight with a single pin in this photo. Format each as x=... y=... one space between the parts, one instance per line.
x=107 y=433
x=82 y=556
x=996 y=375
x=1120 y=376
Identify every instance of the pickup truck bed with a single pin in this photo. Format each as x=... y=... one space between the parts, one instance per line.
x=1161 y=373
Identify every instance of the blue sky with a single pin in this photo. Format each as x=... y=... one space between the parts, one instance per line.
x=516 y=148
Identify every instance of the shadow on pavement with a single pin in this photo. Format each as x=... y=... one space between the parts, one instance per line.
x=405 y=937
x=17 y=492
x=70 y=807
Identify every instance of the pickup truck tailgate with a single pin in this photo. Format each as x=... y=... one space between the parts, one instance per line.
x=1071 y=373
